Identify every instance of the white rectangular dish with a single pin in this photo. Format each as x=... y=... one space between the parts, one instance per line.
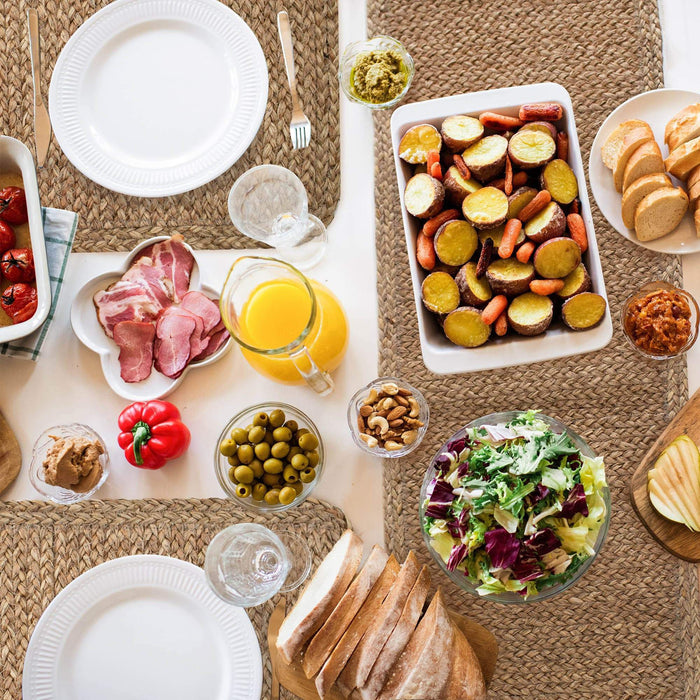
x=16 y=158
x=439 y=354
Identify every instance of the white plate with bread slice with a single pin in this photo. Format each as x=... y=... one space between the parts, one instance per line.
x=644 y=163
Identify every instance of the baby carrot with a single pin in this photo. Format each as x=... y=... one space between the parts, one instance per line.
x=577 y=229
x=519 y=179
x=510 y=235
x=508 y=180
x=433 y=160
x=432 y=225
x=546 y=287
x=425 y=252
x=524 y=253
x=538 y=203
x=494 y=309
x=436 y=171
x=563 y=146
x=501 y=325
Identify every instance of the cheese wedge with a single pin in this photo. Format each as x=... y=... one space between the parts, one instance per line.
x=683 y=127
x=683 y=159
x=632 y=141
x=644 y=161
x=613 y=143
x=674 y=483
x=636 y=192
x=659 y=213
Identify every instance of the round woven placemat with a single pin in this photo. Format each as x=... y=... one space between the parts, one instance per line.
x=111 y=221
x=630 y=628
x=44 y=547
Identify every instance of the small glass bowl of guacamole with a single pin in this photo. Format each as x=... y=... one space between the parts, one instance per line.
x=377 y=72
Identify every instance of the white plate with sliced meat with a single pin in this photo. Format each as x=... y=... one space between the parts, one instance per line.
x=151 y=321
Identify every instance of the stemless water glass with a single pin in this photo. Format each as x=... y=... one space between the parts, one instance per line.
x=247 y=564
x=269 y=204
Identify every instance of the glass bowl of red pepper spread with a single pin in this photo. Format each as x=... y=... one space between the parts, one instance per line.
x=660 y=320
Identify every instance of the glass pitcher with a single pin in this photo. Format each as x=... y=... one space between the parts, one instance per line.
x=290 y=329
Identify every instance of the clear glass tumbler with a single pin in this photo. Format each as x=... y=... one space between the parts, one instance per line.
x=269 y=204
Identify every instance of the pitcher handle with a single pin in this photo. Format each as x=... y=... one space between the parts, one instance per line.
x=318 y=379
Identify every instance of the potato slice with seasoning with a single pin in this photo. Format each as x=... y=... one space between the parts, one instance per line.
x=530 y=149
x=530 y=314
x=557 y=258
x=424 y=196
x=583 y=311
x=440 y=293
x=460 y=132
x=487 y=157
x=455 y=242
x=509 y=276
x=575 y=282
x=456 y=187
x=559 y=180
x=549 y=223
x=417 y=142
x=486 y=208
x=465 y=327
x=473 y=291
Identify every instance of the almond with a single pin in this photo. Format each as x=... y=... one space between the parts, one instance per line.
x=397 y=413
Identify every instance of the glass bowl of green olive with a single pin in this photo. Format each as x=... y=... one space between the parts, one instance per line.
x=269 y=457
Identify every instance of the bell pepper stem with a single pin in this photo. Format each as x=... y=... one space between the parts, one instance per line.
x=142 y=434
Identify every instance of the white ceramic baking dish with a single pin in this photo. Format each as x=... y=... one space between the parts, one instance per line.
x=16 y=158
x=439 y=354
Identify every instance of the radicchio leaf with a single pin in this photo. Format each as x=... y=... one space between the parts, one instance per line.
x=457 y=446
x=526 y=568
x=542 y=542
x=442 y=463
x=440 y=500
x=538 y=494
x=575 y=503
x=458 y=528
x=457 y=555
x=502 y=547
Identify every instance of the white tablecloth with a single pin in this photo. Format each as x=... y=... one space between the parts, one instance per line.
x=66 y=385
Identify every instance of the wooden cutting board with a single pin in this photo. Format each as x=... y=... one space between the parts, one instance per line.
x=292 y=676
x=10 y=455
x=674 y=537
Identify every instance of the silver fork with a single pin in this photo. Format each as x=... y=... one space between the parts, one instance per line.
x=300 y=126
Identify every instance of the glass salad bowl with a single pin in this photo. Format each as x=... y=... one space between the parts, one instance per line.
x=442 y=543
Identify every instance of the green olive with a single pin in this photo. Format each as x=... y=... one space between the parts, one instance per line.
x=313 y=457
x=299 y=433
x=282 y=434
x=300 y=461
x=290 y=474
x=307 y=475
x=273 y=466
x=272 y=479
x=259 y=491
x=249 y=427
x=308 y=441
x=272 y=497
x=280 y=450
x=256 y=434
x=239 y=435
x=245 y=454
x=297 y=486
x=243 y=490
x=296 y=450
x=287 y=495
x=269 y=439
x=262 y=451
x=277 y=418
x=261 y=419
x=292 y=425
x=233 y=460
x=257 y=466
x=244 y=475
x=232 y=474
x=228 y=447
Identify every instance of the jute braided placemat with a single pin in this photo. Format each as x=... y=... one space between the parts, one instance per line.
x=631 y=626
x=111 y=221
x=44 y=547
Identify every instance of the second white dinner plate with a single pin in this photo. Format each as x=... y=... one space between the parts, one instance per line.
x=655 y=107
x=139 y=627
x=156 y=97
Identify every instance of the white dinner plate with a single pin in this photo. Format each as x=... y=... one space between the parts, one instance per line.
x=156 y=97
x=655 y=107
x=141 y=627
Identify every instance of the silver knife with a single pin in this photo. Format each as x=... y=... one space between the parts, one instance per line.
x=42 y=123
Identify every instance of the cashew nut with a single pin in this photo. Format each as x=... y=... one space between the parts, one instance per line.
x=390 y=388
x=409 y=437
x=371 y=441
x=378 y=422
x=392 y=445
x=415 y=408
x=387 y=404
x=371 y=398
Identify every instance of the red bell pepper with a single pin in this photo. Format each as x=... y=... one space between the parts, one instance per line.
x=152 y=434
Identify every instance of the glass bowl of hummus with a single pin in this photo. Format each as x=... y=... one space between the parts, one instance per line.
x=376 y=73
x=69 y=463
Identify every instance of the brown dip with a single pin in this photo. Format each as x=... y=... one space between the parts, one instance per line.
x=659 y=322
x=73 y=463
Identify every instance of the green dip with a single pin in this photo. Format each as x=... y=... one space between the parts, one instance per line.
x=378 y=76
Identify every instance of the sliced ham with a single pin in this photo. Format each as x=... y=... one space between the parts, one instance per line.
x=135 y=341
x=175 y=262
x=203 y=306
x=216 y=340
x=172 y=345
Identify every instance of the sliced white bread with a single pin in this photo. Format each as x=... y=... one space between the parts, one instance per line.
x=632 y=141
x=684 y=158
x=339 y=620
x=693 y=176
x=683 y=127
x=696 y=218
x=349 y=641
x=360 y=663
x=645 y=160
x=321 y=595
x=398 y=639
x=613 y=143
x=660 y=212
x=438 y=662
x=694 y=195
x=636 y=192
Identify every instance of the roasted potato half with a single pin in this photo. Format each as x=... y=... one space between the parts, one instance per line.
x=509 y=276
x=583 y=311
x=486 y=208
x=440 y=293
x=530 y=314
x=473 y=291
x=455 y=242
x=459 y=132
x=557 y=258
x=456 y=187
x=530 y=149
x=417 y=142
x=546 y=127
x=424 y=196
x=487 y=157
x=465 y=327
x=520 y=199
x=575 y=282
x=559 y=180
x=549 y=223
x=496 y=235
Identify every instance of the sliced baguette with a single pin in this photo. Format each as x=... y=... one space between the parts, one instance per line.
x=613 y=143
x=660 y=212
x=360 y=663
x=693 y=176
x=398 y=639
x=321 y=595
x=694 y=195
x=636 y=192
x=683 y=159
x=696 y=218
x=683 y=127
x=645 y=160
x=339 y=620
x=632 y=141
x=349 y=641
x=438 y=662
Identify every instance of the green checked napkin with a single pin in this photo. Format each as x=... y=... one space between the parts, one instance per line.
x=59 y=232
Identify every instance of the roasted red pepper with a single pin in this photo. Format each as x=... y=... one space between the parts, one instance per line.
x=152 y=434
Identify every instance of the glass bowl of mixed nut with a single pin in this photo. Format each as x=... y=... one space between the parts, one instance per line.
x=388 y=417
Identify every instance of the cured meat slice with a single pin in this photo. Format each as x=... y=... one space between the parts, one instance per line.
x=174 y=330
x=125 y=301
x=135 y=341
x=216 y=340
x=175 y=263
x=203 y=306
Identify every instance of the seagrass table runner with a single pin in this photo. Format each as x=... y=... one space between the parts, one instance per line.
x=111 y=221
x=44 y=547
x=630 y=627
